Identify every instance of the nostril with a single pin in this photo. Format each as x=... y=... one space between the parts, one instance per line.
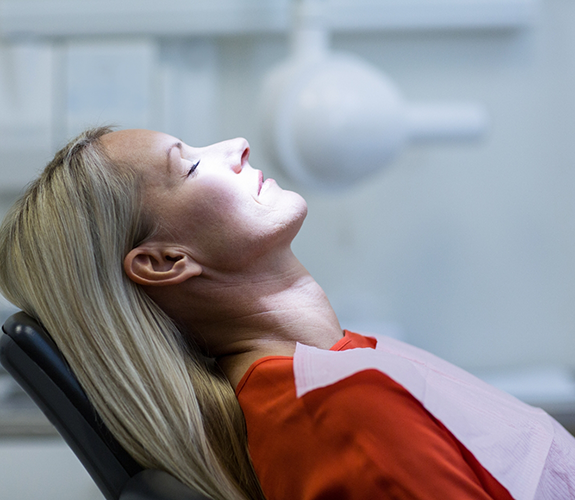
x=245 y=155
x=241 y=147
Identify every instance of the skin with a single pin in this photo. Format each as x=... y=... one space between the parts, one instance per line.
x=221 y=263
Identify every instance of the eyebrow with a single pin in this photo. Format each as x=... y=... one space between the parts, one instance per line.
x=169 y=150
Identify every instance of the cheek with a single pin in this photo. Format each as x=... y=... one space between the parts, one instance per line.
x=218 y=225
x=217 y=210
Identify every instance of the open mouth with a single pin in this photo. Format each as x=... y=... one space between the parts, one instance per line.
x=260 y=181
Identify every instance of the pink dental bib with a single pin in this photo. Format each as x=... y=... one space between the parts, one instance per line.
x=525 y=449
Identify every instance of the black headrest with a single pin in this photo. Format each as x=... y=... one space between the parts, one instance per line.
x=31 y=357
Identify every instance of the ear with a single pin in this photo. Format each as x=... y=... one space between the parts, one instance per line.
x=153 y=264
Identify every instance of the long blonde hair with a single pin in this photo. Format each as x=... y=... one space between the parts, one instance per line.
x=61 y=251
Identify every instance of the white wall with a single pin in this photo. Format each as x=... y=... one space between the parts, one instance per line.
x=468 y=247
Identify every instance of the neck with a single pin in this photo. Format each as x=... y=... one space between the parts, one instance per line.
x=241 y=318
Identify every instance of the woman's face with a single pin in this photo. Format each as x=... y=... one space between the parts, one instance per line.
x=209 y=200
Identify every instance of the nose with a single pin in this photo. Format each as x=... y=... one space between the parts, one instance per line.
x=239 y=154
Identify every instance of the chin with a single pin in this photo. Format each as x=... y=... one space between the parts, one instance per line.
x=299 y=209
x=299 y=202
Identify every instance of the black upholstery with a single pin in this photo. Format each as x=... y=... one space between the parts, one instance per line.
x=28 y=353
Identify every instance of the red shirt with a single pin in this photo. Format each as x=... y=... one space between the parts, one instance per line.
x=364 y=437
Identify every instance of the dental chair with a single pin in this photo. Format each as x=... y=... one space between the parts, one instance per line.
x=28 y=353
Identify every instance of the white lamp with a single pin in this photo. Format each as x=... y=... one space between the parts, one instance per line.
x=331 y=119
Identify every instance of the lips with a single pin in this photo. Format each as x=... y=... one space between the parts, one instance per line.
x=260 y=181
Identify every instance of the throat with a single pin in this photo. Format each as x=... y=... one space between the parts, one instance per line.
x=240 y=320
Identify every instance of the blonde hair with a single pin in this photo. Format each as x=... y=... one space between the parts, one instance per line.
x=61 y=251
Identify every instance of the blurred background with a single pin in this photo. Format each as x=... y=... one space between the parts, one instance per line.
x=464 y=248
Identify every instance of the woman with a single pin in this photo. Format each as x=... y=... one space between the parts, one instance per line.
x=165 y=274
x=62 y=248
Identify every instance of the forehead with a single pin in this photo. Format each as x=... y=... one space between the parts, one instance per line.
x=139 y=148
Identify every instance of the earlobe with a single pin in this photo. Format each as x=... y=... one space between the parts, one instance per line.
x=154 y=265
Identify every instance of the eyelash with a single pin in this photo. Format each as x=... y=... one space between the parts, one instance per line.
x=193 y=168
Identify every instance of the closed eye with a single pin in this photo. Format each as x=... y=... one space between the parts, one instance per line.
x=193 y=168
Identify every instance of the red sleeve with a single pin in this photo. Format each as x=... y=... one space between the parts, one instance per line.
x=362 y=438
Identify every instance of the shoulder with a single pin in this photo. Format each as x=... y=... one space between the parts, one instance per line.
x=363 y=437
x=373 y=402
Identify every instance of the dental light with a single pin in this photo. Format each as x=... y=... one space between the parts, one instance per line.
x=330 y=119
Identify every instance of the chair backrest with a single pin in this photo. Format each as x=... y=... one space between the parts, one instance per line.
x=28 y=353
